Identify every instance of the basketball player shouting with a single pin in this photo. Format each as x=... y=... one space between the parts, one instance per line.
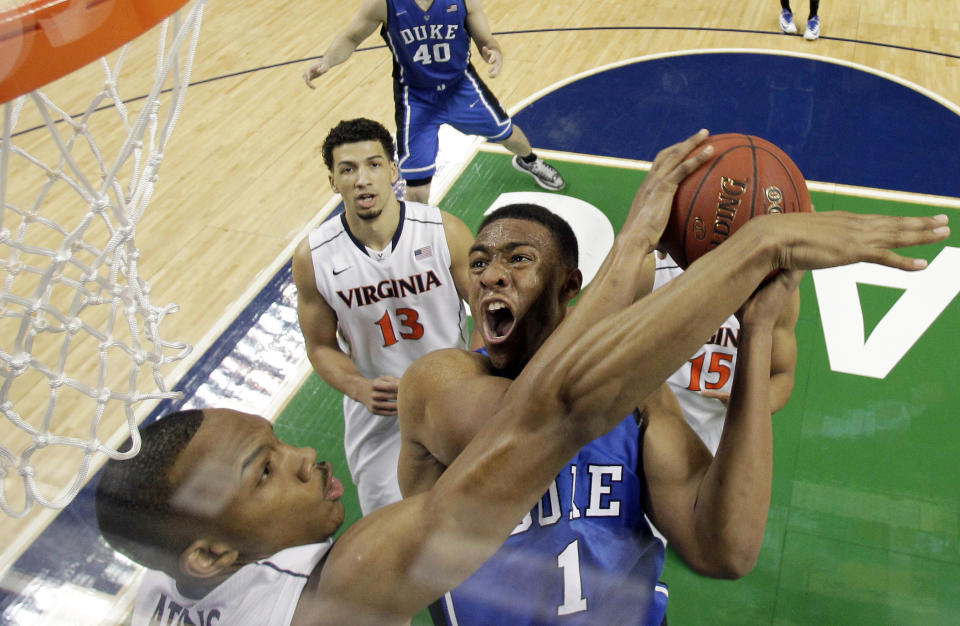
x=237 y=522
x=586 y=551
x=435 y=83
x=587 y=544
x=386 y=277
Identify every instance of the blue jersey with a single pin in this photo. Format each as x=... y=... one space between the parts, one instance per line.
x=584 y=555
x=431 y=49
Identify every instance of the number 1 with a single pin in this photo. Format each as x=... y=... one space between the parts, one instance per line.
x=569 y=562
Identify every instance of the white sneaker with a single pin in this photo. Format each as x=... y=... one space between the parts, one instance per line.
x=786 y=22
x=545 y=174
x=813 y=28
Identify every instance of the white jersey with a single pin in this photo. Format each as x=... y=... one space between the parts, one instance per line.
x=264 y=593
x=711 y=367
x=392 y=307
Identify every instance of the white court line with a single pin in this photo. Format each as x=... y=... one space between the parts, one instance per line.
x=822 y=187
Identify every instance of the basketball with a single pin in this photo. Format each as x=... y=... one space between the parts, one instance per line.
x=747 y=176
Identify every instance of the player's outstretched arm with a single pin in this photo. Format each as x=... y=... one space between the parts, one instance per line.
x=611 y=364
x=393 y=562
x=318 y=323
x=813 y=241
x=372 y=14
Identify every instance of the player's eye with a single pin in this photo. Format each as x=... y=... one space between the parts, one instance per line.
x=265 y=473
x=478 y=264
x=519 y=258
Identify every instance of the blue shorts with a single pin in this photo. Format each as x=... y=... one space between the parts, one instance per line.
x=467 y=106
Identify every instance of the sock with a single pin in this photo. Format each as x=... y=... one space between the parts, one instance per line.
x=529 y=158
x=814 y=7
x=785 y=4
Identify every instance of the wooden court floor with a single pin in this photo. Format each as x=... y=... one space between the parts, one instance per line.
x=242 y=177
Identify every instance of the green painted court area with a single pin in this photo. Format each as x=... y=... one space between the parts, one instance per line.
x=864 y=522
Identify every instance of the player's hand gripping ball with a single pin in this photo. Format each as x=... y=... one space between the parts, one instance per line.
x=747 y=176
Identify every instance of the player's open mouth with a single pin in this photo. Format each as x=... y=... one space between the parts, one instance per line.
x=498 y=321
x=366 y=200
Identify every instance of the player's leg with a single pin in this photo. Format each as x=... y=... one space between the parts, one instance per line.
x=527 y=161
x=418 y=121
x=787 y=24
x=376 y=481
x=418 y=190
x=813 y=22
x=473 y=109
x=372 y=446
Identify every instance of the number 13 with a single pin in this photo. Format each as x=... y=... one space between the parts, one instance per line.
x=408 y=319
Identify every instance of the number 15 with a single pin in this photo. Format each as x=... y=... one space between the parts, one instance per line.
x=717 y=366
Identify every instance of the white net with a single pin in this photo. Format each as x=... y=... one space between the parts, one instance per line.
x=80 y=345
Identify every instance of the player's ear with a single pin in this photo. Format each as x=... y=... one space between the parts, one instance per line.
x=571 y=286
x=394 y=172
x=205 y=558
x=333 y=185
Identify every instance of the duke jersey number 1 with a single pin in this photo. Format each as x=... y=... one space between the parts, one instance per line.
x=583 y=555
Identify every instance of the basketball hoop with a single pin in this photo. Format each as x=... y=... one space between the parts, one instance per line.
x=78 y=334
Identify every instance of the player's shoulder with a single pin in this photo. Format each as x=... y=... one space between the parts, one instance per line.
x=457 y=233
x=473 y=6
x=422 y=212
x=451 y=221
x=442 y=369
x=331 y=226
x=321 y=238
x=376 y=9
x=447 y=362
x=302 y=263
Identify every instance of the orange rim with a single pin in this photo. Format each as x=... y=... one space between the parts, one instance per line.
x=45 y=39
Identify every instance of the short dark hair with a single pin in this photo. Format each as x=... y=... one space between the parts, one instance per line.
x=353 y=131
x=133 y=499
x=558 y=227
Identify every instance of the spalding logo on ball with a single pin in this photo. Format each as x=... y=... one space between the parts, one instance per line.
x=746 y=177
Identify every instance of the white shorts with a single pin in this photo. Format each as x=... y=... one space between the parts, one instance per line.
x=372 y=445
